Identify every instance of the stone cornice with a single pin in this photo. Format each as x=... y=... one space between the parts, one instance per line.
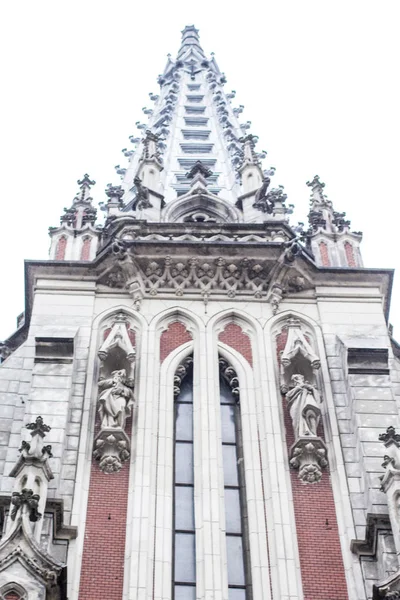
x=82 y=270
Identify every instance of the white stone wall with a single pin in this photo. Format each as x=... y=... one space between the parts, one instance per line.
x=356 y=409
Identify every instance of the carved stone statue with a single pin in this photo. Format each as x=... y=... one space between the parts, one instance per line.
x=115 y=400
x=304 y=401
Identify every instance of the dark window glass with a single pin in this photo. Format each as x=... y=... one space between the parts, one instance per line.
x=186 y=393
x=183 y=463
x=230 y=465
x=238 y=557
x=185 y=564
x=237 y=594
x=184 y=526
x=234 y=552
x=184 y=508
x=186 y=592
x=184 y=422
x=225 y=392
x=232 y=511
x=228 y=423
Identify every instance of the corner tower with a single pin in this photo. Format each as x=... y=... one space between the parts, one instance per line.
x=211 y=382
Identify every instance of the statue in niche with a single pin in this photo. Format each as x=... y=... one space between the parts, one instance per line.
x=116 y=400
x=304 y=400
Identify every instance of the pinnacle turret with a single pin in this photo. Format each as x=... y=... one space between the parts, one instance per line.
x=73 y=238
x=332 y=241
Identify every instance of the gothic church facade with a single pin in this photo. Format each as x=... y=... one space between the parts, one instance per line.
x=201 y=400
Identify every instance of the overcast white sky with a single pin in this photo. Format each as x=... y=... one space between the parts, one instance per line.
x=319 y=80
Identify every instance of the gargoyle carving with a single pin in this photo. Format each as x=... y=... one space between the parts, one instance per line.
x=142 y=195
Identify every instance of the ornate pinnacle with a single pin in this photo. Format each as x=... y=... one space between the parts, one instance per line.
x=114 y=193
x=390 y=437
x=38 y=427
x=317 y=192
x=85 y=184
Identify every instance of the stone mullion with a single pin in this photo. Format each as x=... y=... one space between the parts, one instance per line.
x=137 y=548
x=215 y=584
x=147 y=471
x=284 y=558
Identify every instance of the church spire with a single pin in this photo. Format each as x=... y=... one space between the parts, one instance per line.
x=194 y=120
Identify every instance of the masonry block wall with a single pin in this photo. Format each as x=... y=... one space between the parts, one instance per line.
x=365 y=406
x=52 y=390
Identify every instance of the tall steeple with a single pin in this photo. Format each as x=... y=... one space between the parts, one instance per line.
x=209 y=386
x=195 y=160
x=193 y=120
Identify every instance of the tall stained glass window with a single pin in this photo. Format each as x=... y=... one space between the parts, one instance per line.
x=237 y=546
x=184 y=578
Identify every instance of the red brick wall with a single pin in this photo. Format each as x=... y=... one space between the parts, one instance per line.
x=172 y=338
x=321 y=561
x=349 y=250
x=102 y=572
x=234 y=337
x=60 y=249
x=85 y=251
x=323 y=250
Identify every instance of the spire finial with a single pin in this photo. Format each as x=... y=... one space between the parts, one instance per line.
x=85 y=184
x=317 y=190
x=190 y=44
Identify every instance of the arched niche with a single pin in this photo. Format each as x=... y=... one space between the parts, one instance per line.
x=209 y=207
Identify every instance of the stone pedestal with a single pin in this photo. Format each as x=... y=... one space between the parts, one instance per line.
x=308 y=455
x=112 y=448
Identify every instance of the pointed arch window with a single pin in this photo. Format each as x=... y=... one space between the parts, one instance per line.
x=61 y=248
x=13 y=591
x=350 y=257
x=324 y=253
x=85 y=250
x=237 y=538
x=184 y=567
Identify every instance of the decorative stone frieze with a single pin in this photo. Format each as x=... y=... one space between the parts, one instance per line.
x=299 y=364
x=112 y=448
x=116 y=398
x=230 y=276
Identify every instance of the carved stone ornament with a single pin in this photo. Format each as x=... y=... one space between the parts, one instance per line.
x=142 y=195
x=116 y=398
x=298 y=383
x=297 y=345
x=118 y=337
x=112 y=448
x=180 y=374
x=230 y=376
x=309 y=457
